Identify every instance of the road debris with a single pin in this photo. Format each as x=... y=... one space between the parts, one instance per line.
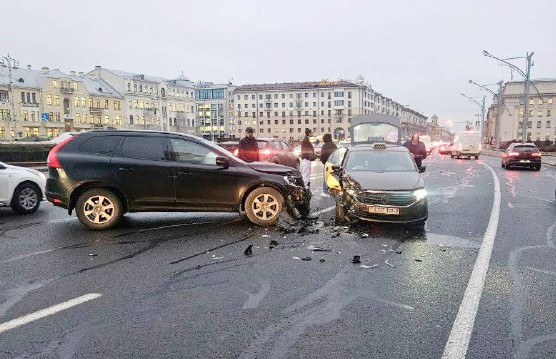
x=399 y=251
x=334 y=235
x=389 y=264
x=356 y=260
x=248 y=251
x=418 y=260
x=217 y=258
x=294 y=257
x=306 y=258
x=318 y=249
x=92 y=255
x=365 y=235
x=322 y=260
x=364 y=266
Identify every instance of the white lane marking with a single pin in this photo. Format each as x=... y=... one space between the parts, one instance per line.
x=63 y=220
x=47 y=312
x=318 y=213
x=458 y=341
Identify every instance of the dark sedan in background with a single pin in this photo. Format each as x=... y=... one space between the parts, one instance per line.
x=522 y=155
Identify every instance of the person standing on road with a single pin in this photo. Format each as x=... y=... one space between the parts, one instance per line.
x=325 y=153
x=417 y=148
x=248 y=149
x=307 y=155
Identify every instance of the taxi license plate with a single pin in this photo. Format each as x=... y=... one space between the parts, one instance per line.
x=383 y=210
x=525 y=161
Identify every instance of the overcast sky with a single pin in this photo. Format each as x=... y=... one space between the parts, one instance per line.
x=420 y=53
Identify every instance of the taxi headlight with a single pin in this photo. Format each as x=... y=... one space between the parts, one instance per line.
x=291 y=180
x=351 y=192
x=420 y=194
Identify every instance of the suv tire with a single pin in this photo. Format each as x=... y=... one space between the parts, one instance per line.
x=98 y=209
x=27 y=198
x=263 y=206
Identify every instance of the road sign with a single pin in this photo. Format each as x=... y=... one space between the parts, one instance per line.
x=44 y=116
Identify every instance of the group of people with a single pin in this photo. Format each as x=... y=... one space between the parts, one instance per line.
x=248 y=151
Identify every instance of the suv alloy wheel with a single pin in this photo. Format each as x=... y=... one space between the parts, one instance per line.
x=98 y=209
x=263 y=206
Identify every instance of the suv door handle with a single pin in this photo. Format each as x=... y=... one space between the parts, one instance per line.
x=126 y=169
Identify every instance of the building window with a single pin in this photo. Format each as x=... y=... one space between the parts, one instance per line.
x=547 y=124
x=539 y=124
x=25 y=116
x=339 y=94
x=540 y=102
x=23 y=97
x=54 y=83
x=106 y=104
x=106 y=120
x=76 y=101
x=338 y=102
x=117 y=105
x=349 y=94
x=49 y=100
x=135 y=87
x=98 y=103
x=548 y=112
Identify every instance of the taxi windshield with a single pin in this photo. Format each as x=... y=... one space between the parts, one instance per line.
x=379 y=161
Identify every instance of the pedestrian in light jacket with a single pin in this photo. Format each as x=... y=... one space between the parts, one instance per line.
x=307 y=155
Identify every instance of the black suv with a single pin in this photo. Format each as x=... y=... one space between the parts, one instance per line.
x=104 y=174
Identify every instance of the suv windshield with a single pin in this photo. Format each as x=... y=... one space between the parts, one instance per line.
x=379 y=161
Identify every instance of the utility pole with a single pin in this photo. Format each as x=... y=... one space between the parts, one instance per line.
x=12 y=117
x=527 y=86
x=527 y=76
x=482 y=107
x=498 y=97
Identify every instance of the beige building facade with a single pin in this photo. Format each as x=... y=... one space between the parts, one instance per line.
x=153 y=103
x=542 y=108
x=284 y=110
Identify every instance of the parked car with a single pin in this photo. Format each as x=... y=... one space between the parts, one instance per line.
x=271 y=150
x=466 y=144
x=522 y=155
x=32 y=139
x=21 y=188
x=378 y=183
x=104 y=174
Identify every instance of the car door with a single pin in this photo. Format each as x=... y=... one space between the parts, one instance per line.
x=143 y=171
x=200 y=182
x=335 y=159
x=6 y=179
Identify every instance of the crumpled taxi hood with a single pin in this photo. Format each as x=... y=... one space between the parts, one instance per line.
x=386 y=181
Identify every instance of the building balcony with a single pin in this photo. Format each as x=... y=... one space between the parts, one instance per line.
x=95 y=109
x=68 y=90
x=29 y=104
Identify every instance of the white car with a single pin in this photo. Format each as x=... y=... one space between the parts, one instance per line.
x=21 y=188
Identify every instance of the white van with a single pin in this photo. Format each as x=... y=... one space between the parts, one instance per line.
x=467 y=144
x=426 y=139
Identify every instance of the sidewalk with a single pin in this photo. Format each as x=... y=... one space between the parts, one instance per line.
x=547 y=159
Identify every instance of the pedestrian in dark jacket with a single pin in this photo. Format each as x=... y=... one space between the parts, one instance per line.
x=307 y=155
x=417 y=148
x=325 y=153
x=248 y=149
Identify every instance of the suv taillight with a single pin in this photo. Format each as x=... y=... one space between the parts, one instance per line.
x=52 y=160
x=536 y=154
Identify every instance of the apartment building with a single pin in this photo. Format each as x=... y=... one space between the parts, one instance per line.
x=542 y=110
x=153 y=102
x=284 y=110
x=213 y=108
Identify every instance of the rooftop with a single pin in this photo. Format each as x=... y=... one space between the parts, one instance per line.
x=287 y=86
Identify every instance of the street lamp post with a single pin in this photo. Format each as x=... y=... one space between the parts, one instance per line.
x=9 y=60
x=527 y=76
x=498 y=97
x=482 y=107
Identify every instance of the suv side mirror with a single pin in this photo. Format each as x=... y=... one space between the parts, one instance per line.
x=2 y=167
x=223 y=162
x=422 y=169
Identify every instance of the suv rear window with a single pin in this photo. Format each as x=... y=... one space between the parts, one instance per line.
x=145 y=148
x=100 y=145
x=525 y=149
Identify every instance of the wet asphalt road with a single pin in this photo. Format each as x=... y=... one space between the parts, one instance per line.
x=179 y=285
